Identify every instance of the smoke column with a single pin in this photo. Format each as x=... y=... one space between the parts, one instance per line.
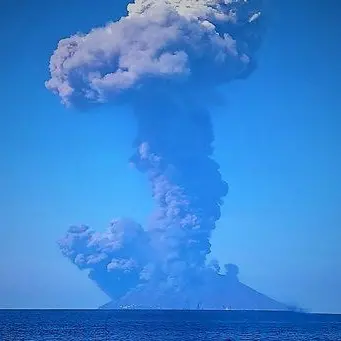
x=165 y=59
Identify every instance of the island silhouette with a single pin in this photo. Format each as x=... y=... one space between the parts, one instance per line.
x=229 y=294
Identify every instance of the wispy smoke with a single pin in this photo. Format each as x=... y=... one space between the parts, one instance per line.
x=165 y=59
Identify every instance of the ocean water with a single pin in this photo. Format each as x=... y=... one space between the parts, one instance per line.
x=158 y=325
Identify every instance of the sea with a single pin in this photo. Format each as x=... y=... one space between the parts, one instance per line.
x=162 y=325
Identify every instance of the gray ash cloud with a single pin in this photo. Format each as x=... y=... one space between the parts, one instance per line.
x=165 y=59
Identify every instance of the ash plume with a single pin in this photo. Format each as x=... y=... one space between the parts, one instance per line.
x=166 y=59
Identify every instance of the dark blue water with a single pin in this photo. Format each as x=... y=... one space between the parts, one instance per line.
x=30 y=325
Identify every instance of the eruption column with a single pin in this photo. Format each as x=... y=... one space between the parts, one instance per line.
x=165 y=59
x=174 y=146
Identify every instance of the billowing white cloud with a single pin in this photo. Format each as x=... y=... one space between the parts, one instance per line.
x=212 y=11
x=203 y=42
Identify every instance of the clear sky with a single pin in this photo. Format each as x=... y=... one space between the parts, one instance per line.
x=278 y=141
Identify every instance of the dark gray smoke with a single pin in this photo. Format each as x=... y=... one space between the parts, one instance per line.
x=165 y=59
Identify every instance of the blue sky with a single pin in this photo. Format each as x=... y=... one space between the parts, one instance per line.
x=277 y=139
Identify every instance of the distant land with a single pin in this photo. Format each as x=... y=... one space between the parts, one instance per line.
x=235 y=296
